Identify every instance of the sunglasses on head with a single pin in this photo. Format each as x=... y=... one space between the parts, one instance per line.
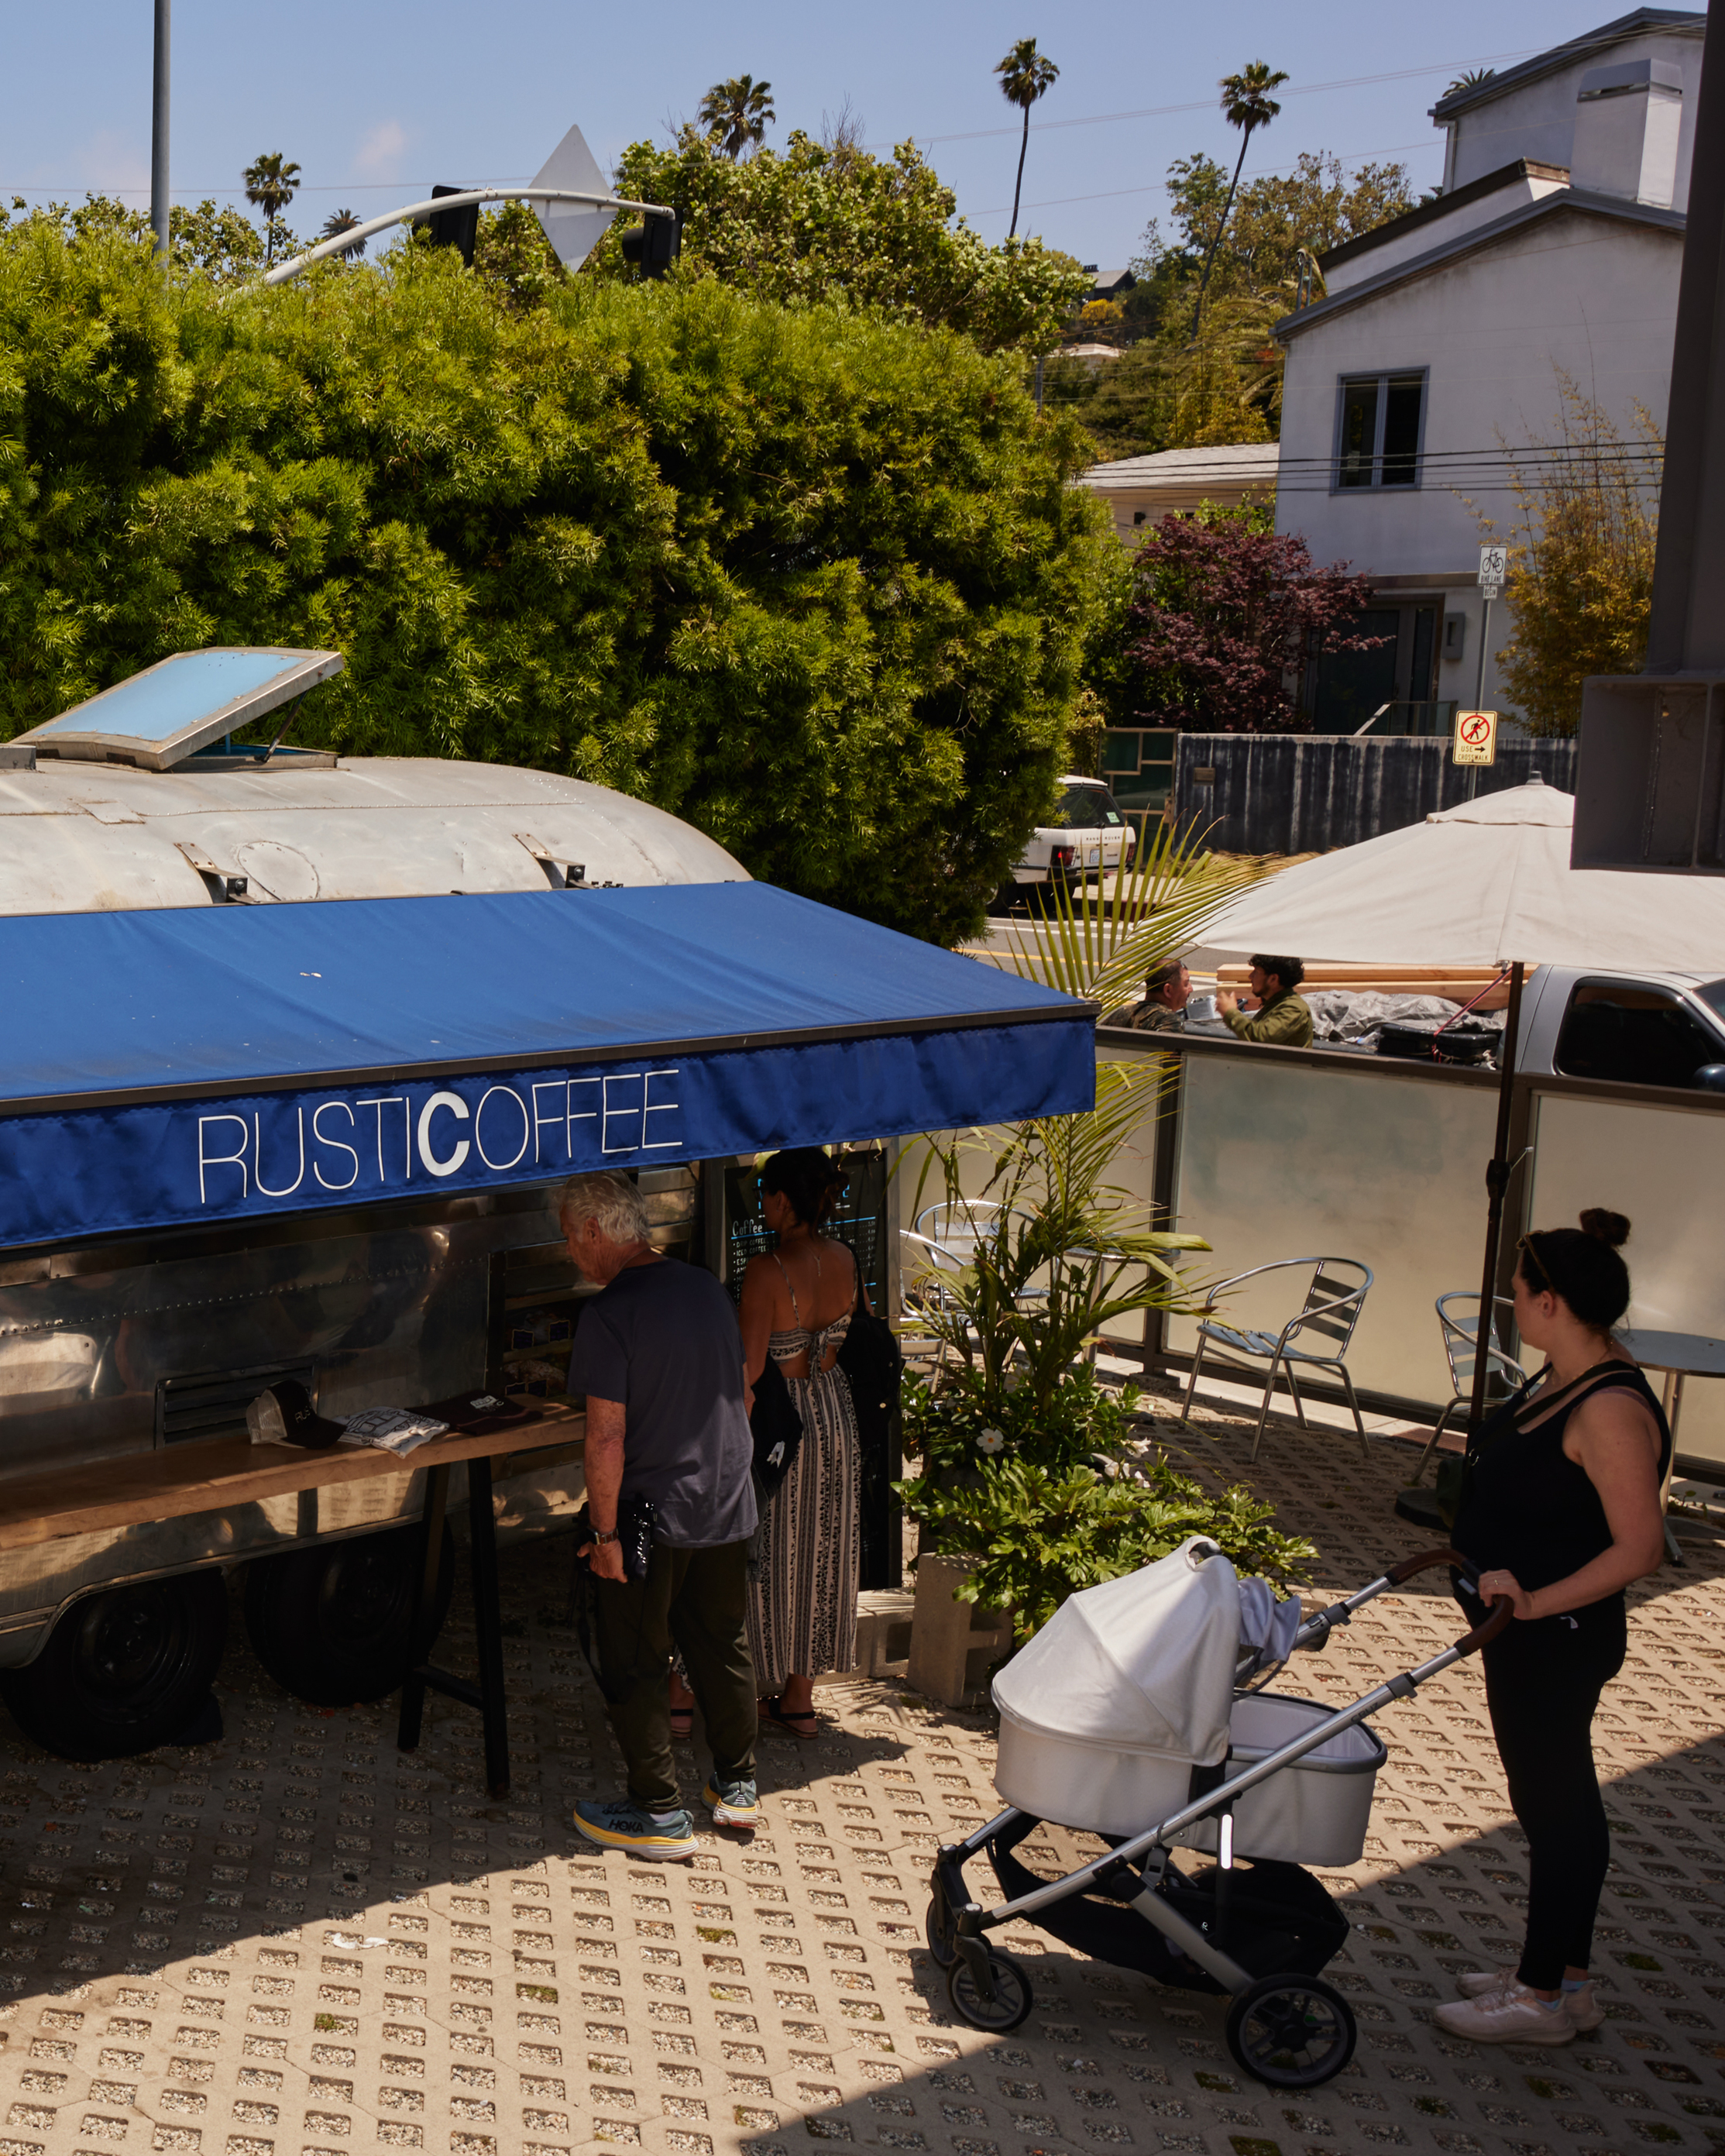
x=1525 y=1245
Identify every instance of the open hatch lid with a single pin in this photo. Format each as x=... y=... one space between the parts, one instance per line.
x=182 y=705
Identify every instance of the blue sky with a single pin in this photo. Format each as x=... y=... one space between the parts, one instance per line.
x=378 y=101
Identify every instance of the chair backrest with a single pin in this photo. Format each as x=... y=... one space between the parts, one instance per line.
x=1334 y=1300
x=1459 y=1316
x=961 y=1225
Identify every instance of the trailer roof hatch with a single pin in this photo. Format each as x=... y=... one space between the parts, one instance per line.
x=185 y=705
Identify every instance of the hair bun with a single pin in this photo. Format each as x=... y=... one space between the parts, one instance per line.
x=1606 y=1227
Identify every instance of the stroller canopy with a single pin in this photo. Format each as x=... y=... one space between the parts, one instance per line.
x=1145 y=1664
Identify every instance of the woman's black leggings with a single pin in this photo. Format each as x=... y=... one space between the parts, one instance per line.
x=1543 y=1679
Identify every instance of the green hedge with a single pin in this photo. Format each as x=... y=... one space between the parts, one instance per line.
x=814 y=581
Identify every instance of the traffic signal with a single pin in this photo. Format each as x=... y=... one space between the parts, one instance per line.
x=454 y=228
x=653 y=244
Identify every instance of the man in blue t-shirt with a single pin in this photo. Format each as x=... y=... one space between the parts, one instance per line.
x=659 y=1355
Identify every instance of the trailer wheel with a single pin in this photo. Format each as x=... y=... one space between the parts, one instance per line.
x=330 y=1623
x=1013 y=1997
x=1291 y=2031
x=123 y=1671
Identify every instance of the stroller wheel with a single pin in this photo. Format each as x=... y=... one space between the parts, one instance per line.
x=1291 y=2031
x=937 y=1926
x=1012 y=2001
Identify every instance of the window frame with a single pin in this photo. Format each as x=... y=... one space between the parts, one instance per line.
x=1685 y=1002
x=1380 y=378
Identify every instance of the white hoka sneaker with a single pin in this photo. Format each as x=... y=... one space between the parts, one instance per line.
x=1581 y=2006
x=1507 y=2013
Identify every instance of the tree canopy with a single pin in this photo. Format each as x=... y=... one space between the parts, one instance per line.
x=812 y=223
x=1170 y=390
x=814 y=581
x=1223 y=613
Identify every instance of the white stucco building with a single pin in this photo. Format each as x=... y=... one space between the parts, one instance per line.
x=1553 y=250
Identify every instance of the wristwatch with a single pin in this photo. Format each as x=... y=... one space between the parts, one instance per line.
x=605 y=1534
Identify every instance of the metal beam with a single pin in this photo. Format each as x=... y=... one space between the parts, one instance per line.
x=345 y=240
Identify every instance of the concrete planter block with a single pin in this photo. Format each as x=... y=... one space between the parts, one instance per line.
x=883 y=1617
x=952 y=1644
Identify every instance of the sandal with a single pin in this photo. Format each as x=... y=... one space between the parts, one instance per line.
x=775 y=1712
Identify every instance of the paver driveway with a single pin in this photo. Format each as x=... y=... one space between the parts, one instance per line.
x=298 y=1943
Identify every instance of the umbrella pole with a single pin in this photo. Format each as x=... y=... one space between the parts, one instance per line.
x=1497 y=1185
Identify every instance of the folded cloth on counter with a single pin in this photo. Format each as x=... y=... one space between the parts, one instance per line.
x=398 y=1430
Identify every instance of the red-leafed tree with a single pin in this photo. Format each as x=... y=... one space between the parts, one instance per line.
x=1225 y=614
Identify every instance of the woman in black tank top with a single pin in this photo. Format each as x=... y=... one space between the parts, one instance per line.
x=1560 y=1510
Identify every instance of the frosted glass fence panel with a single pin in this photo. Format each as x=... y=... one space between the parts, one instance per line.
x=1665 y=1170
x=1276 y=1160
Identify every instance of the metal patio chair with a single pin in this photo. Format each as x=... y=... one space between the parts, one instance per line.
x=1459 y=1316
x=1330 y=1311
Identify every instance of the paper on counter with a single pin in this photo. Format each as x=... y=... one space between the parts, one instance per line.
x=392 y=1429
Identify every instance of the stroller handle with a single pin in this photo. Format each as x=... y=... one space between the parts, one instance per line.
x=1489 y=1626
x=1423 y=1563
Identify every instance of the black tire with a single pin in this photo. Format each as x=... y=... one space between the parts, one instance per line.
x=1012 y=2001
x=937 y=1928
x=1292 y=2032
x=330 y=1623
x=124 y=1670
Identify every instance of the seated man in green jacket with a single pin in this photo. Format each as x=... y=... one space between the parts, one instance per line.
x=1281 y=1017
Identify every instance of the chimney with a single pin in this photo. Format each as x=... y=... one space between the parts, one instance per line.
x=1626 y=123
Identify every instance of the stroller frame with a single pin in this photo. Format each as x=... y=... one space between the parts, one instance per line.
x=1288 y=2031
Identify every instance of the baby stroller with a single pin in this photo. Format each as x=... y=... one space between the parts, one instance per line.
x=1128 y=1717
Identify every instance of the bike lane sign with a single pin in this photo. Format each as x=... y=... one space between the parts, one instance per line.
x=1476 y=737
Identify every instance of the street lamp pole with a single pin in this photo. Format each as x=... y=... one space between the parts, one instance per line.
x=158 y=136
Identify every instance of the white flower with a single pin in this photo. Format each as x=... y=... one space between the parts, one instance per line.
x=991 y=1440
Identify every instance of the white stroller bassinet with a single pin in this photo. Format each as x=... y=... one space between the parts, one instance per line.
x=1111 y=1715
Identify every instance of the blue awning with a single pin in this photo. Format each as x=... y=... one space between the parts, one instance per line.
x=176 y=1066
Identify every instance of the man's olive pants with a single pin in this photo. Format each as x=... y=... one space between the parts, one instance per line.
x=692 y=1599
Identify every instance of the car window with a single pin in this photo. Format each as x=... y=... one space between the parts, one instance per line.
x=1087 y=808
x=1633 y=1036
x=1712 y=994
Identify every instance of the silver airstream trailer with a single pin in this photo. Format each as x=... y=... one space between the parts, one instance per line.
x=299 y=1048
x=115 y=1345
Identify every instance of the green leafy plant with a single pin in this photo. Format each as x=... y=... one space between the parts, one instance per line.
x=1037 y=1534
x=813 y=580
x=1029 y=1466
x=1059 y=1250
x=1100 y=941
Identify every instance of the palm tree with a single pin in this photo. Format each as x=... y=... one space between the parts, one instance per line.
x=1247 y=105
x=1025 y=74
x=271 y=183
x=735 y=114
x=335 y=225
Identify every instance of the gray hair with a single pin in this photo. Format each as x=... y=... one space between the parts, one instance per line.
x=610 y=1200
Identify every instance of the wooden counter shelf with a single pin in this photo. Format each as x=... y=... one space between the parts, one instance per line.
x=211 y=1475
x=45 y=1504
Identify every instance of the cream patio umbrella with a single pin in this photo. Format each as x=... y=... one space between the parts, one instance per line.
x=1485 y=884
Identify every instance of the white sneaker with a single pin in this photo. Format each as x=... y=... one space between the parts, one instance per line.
x=1581 y=2006
x=1507 y=2013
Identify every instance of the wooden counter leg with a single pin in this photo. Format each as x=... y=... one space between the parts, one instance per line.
x=488 y=1624
x=413 y=1690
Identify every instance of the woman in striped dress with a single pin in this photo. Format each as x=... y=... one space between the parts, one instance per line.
x=796 y=1304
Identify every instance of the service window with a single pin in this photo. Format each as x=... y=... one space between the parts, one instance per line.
x=1633 y=1036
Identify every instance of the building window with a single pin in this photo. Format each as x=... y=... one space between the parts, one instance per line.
x=1381 y=420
